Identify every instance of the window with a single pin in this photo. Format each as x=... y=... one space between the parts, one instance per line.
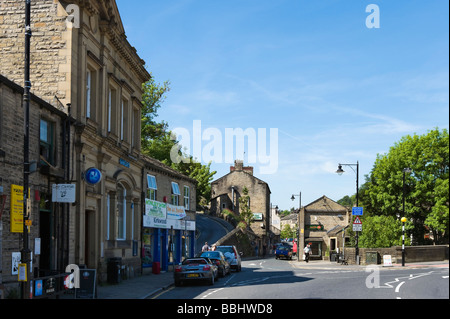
x=108 y=214
x=124 y=120
x=186 y=197
x=121 y=212
x=151 y=186
x=47 y=142
x=88 y=93
x=175 y=194
x=135 y=128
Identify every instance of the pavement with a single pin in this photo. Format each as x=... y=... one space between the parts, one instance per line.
x=149 y=286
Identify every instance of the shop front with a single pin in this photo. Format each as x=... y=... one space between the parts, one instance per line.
x=168 y=235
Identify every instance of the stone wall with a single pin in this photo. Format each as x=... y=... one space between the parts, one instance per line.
x=413 y=254
x=49 y=43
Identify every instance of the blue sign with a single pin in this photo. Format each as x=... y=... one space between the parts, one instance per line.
x=93 y=176
x=124 y=163
x=357 y=211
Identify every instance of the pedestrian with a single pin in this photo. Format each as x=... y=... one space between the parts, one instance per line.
x=205 y=247
x=307 y=252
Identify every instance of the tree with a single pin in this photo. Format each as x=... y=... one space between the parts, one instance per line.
x=426 y=188
x=381 y=231
x=153 y=96
x=287 y=232
x=157 y=141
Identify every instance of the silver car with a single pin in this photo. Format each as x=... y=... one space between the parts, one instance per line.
x=231 y=253
x=196 y=269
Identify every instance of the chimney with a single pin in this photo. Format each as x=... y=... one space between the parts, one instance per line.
x=238 y=165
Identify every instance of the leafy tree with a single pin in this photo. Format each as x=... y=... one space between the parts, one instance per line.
x=426 y=187
x=287 y=232
x=381 y=231
x=157 y=141
x=153 y=96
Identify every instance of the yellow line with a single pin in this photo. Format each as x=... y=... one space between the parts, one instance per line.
x=163 y=292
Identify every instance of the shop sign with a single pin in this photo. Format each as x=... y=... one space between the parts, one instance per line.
x=63 y=193
x=175 y=212
x=257 y=216
x=153 y=222
x=314 y=227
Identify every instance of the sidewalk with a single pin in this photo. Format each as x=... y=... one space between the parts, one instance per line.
x=140 y=287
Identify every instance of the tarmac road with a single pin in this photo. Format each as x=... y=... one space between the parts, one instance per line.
x=210 y=230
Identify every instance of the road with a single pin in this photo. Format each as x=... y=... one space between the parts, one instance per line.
x=210 y=230
x=279 y=279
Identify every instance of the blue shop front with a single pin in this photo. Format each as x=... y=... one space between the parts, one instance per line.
x=168 y=235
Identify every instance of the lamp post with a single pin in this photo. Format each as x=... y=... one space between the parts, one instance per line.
x=405 y=170
x=298 y=221
x=25 y=253
x=340 y=171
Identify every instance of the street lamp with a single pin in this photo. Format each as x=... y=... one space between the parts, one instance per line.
x=405 y=170
x=340 y=171
x=298 y=230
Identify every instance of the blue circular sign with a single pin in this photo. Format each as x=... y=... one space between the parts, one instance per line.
x=93 y=176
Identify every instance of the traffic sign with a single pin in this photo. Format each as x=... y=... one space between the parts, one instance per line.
x=357 y=211
x=357 y=224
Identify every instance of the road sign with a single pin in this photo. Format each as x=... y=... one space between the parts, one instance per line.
x=357 y=211
x=357 y=224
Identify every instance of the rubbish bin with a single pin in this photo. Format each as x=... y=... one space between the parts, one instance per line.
x=114 y=270
x=156 y=268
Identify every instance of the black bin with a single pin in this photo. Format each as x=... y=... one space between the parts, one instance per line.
x=113 y=272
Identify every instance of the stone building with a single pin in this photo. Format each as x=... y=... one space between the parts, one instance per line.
x=225 y=194
x=169 y=218
x=322 y=224
x=85 y=61
x=49 y=150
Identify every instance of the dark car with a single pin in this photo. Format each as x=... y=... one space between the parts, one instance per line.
x=196 y=269
x=220 y=260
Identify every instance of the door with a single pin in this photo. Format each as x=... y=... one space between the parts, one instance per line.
x=89 y=241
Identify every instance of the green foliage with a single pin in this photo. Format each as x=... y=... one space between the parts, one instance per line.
x=245 y=217
x=287 y=232
x=426 y=188
x=382 y=232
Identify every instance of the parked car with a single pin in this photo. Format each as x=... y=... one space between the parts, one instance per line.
x=284 y=250
x=196 y=269
x=232 y=255
x=219 y=259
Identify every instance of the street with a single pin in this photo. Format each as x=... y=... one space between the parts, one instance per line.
x=280 y=279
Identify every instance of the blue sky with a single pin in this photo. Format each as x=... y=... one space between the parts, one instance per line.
x=336 y=90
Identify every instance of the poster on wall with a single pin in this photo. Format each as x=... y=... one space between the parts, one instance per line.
x=16 y=209
x=155 y=209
